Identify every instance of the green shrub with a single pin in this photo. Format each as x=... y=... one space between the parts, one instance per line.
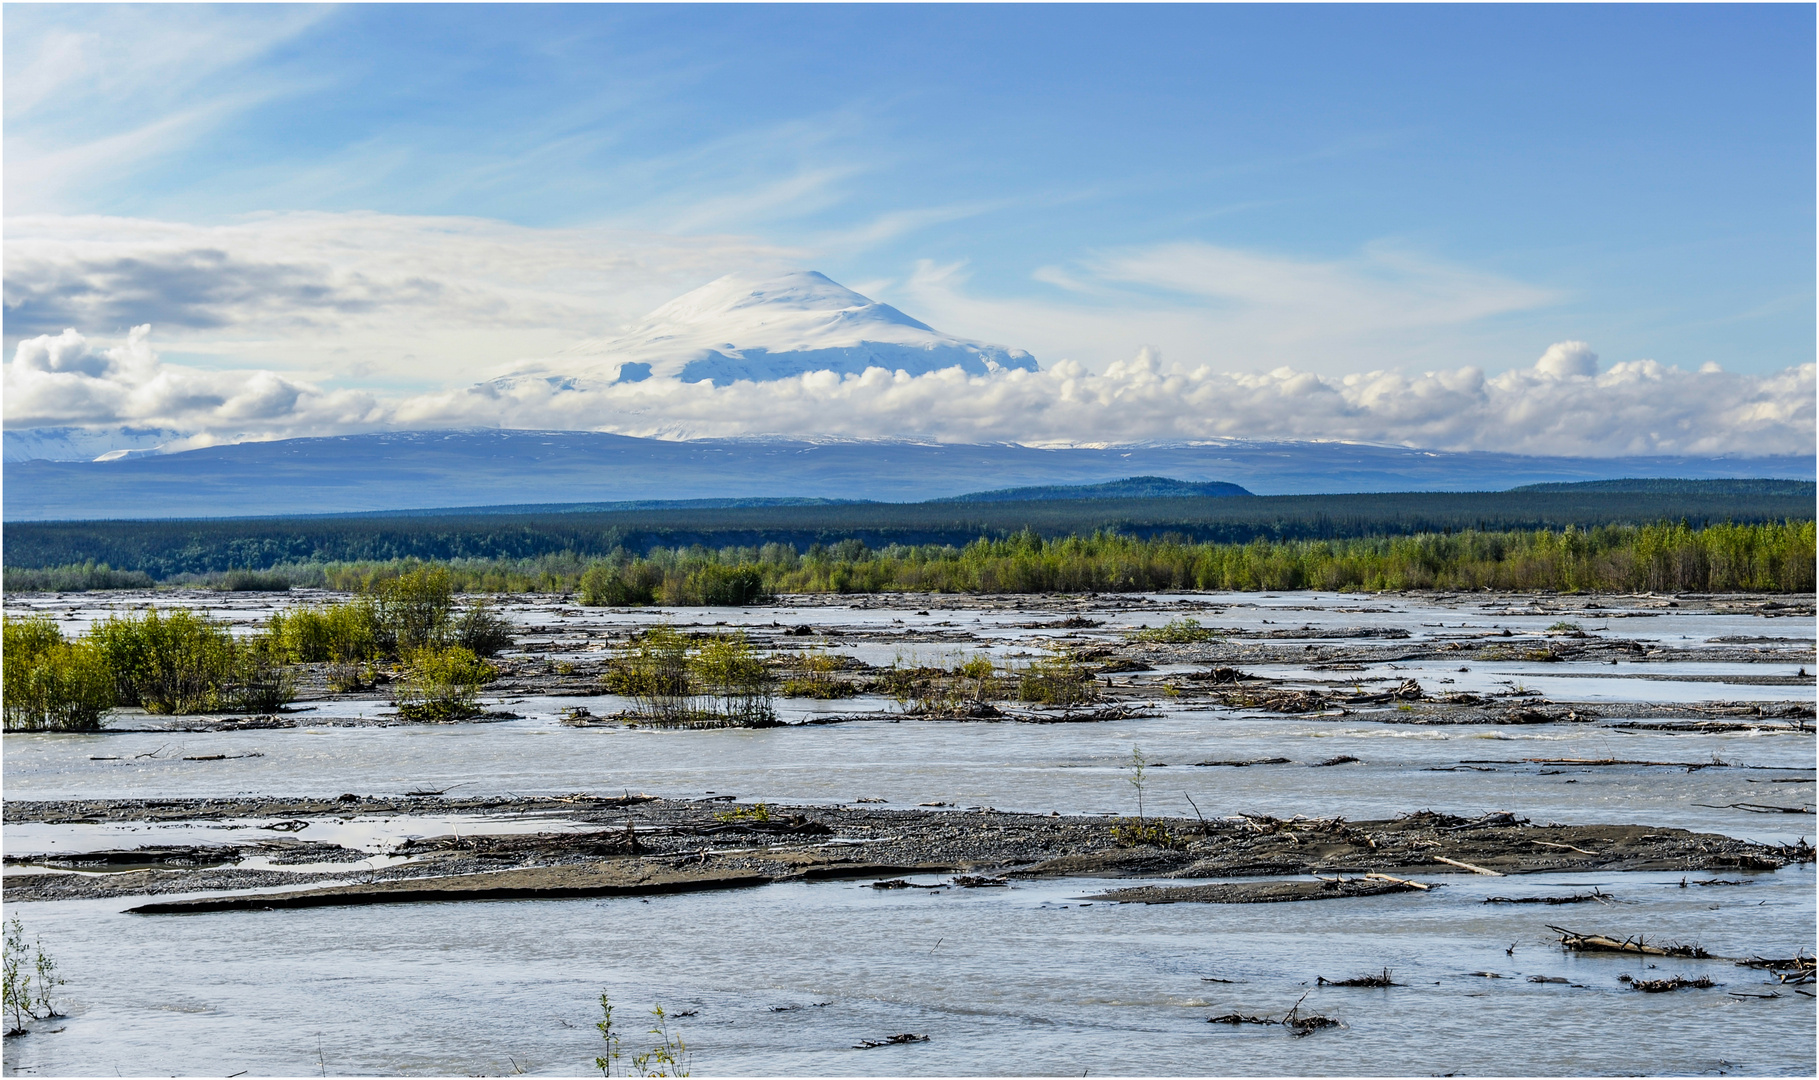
x=653 y=672
x=49 y=684
x=175 y=663
x=30 y=978
x=442 y=684
x=252 y=581
x=414 y=609
x=815 y=678
x=345 y=633
x=671 y=682
x=262 y=681
x=1057 y=680
x=26 y=639
x=725 y=586
x=481 y=630
x=734 y=683
x=1175 y=632
x=606 y=584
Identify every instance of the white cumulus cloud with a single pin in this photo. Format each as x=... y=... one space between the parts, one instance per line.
x=1562 y=405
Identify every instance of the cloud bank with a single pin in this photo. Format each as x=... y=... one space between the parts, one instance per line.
x=1562 y=405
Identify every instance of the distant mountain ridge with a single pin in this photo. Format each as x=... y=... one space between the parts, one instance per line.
x=1134 y=487
x=413 y=470
x=1629 y=485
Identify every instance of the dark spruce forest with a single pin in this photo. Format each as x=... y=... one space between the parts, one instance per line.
x=163 y=549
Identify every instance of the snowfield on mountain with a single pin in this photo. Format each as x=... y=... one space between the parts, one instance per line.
x=758 y=328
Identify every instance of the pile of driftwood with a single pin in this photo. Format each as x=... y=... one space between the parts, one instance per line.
x=1635 y=946
x=1662 y=986
x=1793 y=970
x=1293 y=1021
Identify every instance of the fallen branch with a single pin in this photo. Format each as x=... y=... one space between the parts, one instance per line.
x=894 y=1040
x=1758 y=808
x=1636 y=946
x=1467 y=866
x=1374 y=876
x=1567 y=847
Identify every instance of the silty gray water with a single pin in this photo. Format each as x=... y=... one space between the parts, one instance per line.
x=1042 y=983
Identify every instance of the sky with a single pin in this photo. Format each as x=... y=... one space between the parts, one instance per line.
x=344 y=218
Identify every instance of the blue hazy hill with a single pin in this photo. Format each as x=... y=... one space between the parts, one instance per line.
x=421 y=469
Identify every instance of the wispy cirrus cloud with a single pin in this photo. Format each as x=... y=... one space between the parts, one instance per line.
x=1242 y=309
x=88 y=102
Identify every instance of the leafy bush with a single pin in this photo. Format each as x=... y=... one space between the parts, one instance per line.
x=30 y=975
x=481 y=630
x=726 y=586
x=414 y=609
x=346 y=633
x=734 y=683
x=49 y=684
x=262 y=681
x=815 y=678
x=443 y=684
x=607 y=584
x=176 y=663
x=670 y=1057
x=252 y=581
x=1057 y=680
x=26 y=639
x=721 y=682
x=1175 y=632
x=653 y=672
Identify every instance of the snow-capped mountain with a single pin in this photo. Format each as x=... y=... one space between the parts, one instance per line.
x=762 y=328
x=84 y=444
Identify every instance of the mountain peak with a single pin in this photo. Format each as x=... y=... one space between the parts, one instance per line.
x=763 y=327
x=738 y=295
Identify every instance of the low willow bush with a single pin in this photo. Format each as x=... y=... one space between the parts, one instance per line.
x=955 y=690
x=166 y=662
x=815 y=675
x=443 y=684
x=1174 y=632
x=677 y=681
x=50 y=684
x=175 y=662
x=401 y=616
x=1057 y=679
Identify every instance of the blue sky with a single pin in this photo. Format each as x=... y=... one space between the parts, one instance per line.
x=1339 y=188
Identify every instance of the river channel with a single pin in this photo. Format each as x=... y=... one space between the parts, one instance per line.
x=1668 y=712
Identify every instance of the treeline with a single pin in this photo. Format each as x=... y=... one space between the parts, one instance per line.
x=168 y=550
x=1661 y=557
x=1676 y=557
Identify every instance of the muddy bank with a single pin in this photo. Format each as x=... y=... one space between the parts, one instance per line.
x=619 y=842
